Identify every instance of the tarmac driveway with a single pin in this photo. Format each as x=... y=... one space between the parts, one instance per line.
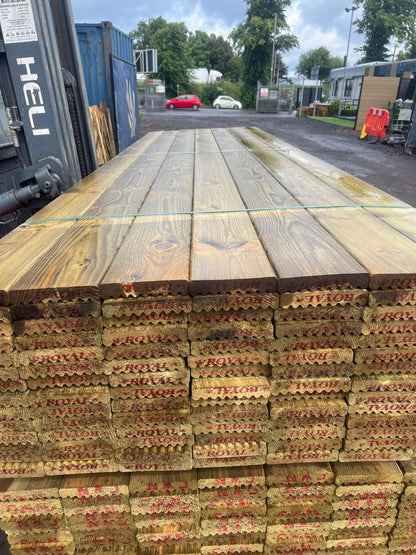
x=386 y=167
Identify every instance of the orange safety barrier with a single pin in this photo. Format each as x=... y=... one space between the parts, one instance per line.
x=376 y=122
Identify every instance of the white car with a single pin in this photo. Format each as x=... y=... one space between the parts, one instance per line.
x=227 y=102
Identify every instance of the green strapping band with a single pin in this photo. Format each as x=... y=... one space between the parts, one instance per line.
x=196 y=212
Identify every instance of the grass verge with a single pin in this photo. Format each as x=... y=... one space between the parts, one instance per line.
x=350 y=123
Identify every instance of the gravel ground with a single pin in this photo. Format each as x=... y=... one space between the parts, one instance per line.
x=387 y=167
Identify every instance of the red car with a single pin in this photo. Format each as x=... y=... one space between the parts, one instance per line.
x=184 y=101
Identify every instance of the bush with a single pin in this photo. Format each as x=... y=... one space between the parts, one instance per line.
x=209 y=93
x=334 y=106
x=351 y=113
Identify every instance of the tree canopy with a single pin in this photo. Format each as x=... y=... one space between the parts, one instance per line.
x=199 y=46
x=318 y=57
x=178 y=51
x=381 y=21
x=173 y=50
x=254 y=38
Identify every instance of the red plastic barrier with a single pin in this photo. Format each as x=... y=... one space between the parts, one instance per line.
x=376 y=122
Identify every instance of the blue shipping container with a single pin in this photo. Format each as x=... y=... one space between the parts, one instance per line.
x=98 y=42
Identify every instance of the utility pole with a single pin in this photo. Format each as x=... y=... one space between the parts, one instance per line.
x=346 y=58
x=274 y=51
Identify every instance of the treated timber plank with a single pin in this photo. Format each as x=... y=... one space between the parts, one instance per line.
x=387 y=255
x=38 y=238
x=388 y=208
x=154 y=257
x=227 y=255
x=75 y=263
x=304 y=255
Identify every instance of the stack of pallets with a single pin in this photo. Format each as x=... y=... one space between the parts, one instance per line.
x=97 y=511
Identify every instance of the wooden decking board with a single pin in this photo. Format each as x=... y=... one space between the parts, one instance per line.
x=227 y=255
x=380 y=204
x=38 y=238
x=387 y=255
x=303 y=254
x=154 y=257
x=76 y=262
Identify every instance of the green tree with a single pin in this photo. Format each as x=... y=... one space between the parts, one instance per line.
x=173 y=51
x=234 y=69
x=253 y=37
x=281 y=70
x=381 y=21
x=220 y=53
x=199 y=48
x=318 y=57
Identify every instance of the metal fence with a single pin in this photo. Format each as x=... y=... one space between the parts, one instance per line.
x=154 y=96
x=275 y=98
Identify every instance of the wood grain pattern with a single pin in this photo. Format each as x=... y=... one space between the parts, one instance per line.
x=303 y=254
x=385 y=253
x=154 y=257
x=226 y=253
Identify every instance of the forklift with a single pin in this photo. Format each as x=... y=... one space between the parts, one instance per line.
x=46 y=138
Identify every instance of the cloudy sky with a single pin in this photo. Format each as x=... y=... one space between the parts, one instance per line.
x=315 y=22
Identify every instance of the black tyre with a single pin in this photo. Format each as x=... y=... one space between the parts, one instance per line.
x=195 y=107
x=171 y=106
x=217 y=106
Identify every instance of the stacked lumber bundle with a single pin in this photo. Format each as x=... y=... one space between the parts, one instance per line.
x=299 y=507
x=230 y=331
x=311 y=371
x=149 y=388
x=382 y=391
x=382 y=400
x=20 y=449
x=103 y=132
x=10 y=381
x=32 y=516
x=364 y=505
x=166 y=509
x=229 y=391
x=59 y=347
x=97 y=511
x=210 y=308
x=146 y=302
x=403 y=538
x=233 y=509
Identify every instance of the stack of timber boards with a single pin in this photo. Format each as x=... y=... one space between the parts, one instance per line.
x=299 y=507
x=213 y=307
x=32 y=515
x=166 y=510
x=98 y=514
x=233 y=509
x=403 y=537
x=364 y=505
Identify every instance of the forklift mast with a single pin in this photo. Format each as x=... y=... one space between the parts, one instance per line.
x=46 y=139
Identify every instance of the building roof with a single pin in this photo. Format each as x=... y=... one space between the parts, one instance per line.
x=352 y=71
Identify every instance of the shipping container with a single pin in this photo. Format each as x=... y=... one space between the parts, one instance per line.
x=97 y=42
x=102 y=46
